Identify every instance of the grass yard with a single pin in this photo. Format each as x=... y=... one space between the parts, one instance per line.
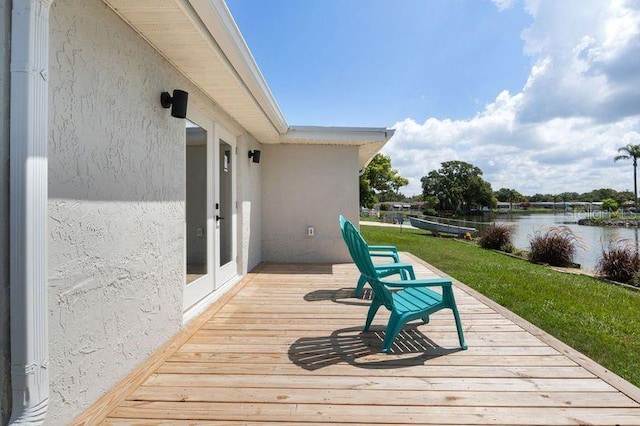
x=598 y=319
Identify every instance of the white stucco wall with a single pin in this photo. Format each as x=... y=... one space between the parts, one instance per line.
x=302 y=186
x=116 y=194
x=5 y=385
x=116 y=203
x=250 y=196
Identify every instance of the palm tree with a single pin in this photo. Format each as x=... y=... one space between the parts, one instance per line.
x=631 y=152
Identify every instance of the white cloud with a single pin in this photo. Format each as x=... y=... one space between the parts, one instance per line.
x=561 y=131
x=587 y=60
x=503 y=4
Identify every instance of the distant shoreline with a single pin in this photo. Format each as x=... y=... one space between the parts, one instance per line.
x=621 y=223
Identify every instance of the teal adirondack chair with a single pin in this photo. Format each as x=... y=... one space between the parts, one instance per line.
x=413 y=299
x=384 y=269
x=376 y=251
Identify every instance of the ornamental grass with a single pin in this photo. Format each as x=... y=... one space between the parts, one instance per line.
x=620 y=262
x=555 y=246
x=498 y=236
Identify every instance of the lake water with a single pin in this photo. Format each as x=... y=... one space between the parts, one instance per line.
x=593 y=238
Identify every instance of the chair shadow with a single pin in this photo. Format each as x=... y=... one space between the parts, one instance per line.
x=362 y=349
x=344 y=296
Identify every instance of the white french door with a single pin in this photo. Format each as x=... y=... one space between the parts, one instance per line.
x=226 y=265
x=210 y=208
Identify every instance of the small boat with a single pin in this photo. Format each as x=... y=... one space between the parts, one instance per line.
x=438 y=228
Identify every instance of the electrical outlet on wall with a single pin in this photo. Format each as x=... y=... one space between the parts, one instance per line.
x=311 y=231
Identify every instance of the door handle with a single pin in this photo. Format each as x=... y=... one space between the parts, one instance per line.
x=218 y=218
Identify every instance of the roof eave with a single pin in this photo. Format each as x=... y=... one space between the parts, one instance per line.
x=369 y=140
x=229 y=38
x=222 y=61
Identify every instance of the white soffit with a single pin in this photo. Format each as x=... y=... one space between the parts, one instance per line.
x=180 y=31
x=201 y=39
x=370 y=140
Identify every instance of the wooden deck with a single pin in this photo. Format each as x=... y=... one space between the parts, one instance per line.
x=288 y=348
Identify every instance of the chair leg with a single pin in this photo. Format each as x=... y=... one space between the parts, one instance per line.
x=361 y=282
x=463 y=344
x=449 y=295
x=393 y=328
x=425 y=319
x=373 y=309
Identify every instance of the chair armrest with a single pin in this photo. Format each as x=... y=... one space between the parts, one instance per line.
x=391 y=255
x=385 y=266
x=430 y=282
x=383 y=248
x=382 y=254
x=386 y=269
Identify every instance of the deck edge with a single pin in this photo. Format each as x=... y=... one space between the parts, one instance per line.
x=579 y=358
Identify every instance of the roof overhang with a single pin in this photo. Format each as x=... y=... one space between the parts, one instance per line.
x=369 y=139
x=201 y=39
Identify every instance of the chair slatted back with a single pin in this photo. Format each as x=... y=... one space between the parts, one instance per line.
x=343 y=222
x=360 y=254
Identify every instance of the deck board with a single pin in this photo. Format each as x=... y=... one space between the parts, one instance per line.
x=288 y=348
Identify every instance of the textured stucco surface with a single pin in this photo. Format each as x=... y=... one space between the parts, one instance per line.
x=5 y=384
x=302 y=186
x=116 y=204
x=250 y=196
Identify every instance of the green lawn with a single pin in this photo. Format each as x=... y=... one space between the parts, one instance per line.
x=598 y=319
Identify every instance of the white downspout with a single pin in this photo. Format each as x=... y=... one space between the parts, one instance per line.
x=28 y=210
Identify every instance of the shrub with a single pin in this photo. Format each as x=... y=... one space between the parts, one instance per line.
x=497 y=237
x=430 y=212
x=620 y=262
x=555 y=246
x=609 y=204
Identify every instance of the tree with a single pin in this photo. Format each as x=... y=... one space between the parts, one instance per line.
x=536 y=198
x=594 y=195
x=379 y=178
x=631 y=152
x=390 y=196
x=457 y=185
x=367 y=195
x=609 y=204
x=568 y=196
x=623 y=196
x=599 y=195
x=507 y=195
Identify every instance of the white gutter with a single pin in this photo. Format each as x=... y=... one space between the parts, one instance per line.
x=369 y=140
x=343 y=135
x=28 y=211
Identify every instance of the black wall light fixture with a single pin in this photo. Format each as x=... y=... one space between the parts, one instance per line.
x=255 y=155
x=177 y=102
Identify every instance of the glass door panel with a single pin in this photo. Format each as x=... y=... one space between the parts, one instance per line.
x=226 y=241
x=199 y=223
x=196 y=202
x=226 y=200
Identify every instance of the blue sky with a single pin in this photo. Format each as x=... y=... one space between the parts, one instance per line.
x=538 y=94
